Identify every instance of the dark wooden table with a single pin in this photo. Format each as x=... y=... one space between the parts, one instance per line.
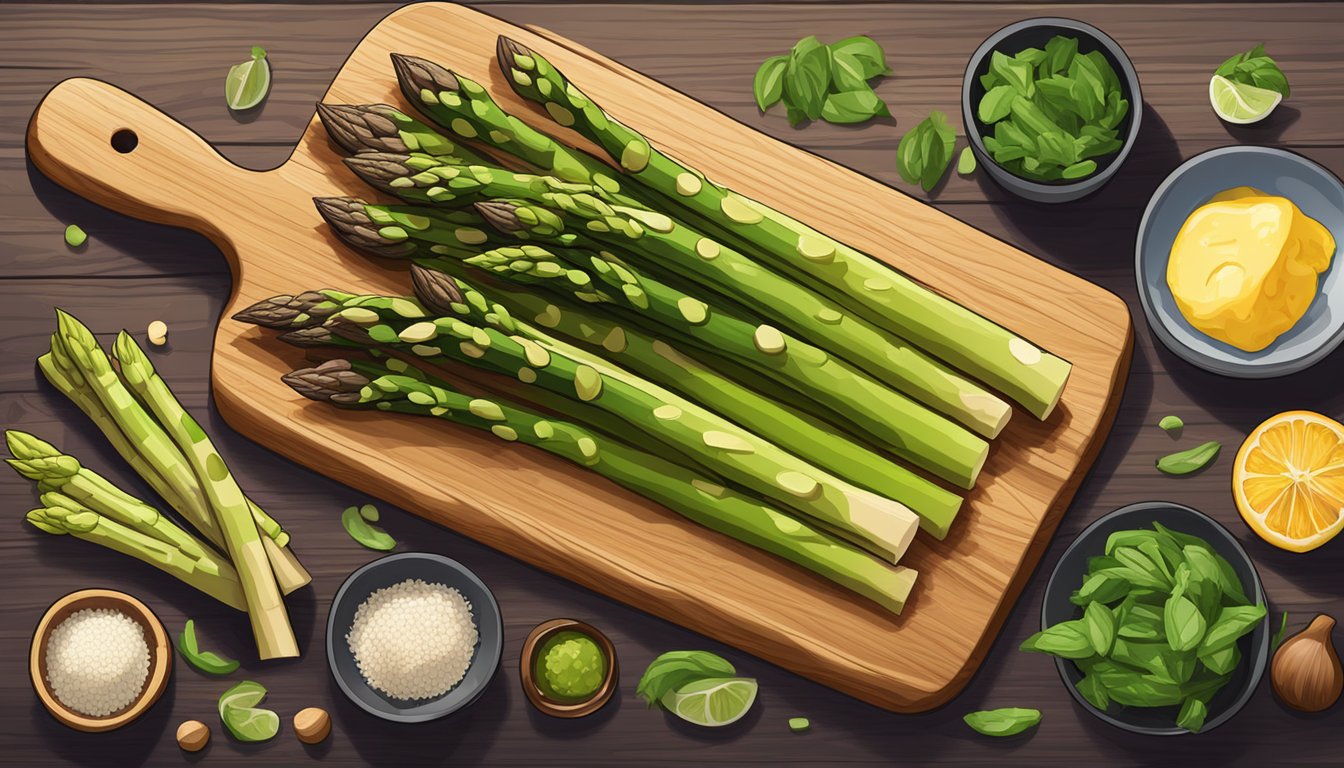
x=175 y=56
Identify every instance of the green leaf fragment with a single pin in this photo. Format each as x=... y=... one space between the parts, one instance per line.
x=358 y=522
x=1008 y=721
x=1278 y=636
x=966 y=162
x=1192 y=715
x=925 y=151
x=829 y=82
x=1171 y=423
x=768 y=86
x=205 y=661
x=74 y=236
x=853 y=106
x=1189 y=460
x=799 y=724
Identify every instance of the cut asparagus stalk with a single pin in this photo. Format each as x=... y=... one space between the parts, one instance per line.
x=434 y=181
x=402 y=389
x=383 y=128
x=64 y=515
x=265 y=606
x=144 y=451
x=925 y=438
x=719 y=445
x=662 y=362
x=981 y=348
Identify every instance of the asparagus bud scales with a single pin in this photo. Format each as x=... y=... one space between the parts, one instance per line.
x=383 y=128
x=683 y=491
x=972 y=343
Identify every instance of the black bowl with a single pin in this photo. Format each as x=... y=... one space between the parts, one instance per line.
x=1036 y=33
x=1068 y=576
x=394 y=569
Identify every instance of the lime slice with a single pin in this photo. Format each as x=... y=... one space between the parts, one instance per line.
x=249 y=82
x=1240 y=103
x=237 y=708
x=713 y=702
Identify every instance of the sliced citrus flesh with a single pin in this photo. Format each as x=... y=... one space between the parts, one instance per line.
x=1288 y=480
x=1240 y=103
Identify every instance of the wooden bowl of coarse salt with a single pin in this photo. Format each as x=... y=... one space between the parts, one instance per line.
x=99 y=659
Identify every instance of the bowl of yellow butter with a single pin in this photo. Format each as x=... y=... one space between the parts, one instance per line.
x=1236 y=262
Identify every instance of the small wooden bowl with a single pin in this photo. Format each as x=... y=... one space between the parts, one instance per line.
x=160 y=657
x=528 y=661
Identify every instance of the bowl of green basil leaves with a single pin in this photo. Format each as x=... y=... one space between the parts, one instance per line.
x=1051 y=107
x=1157 y=620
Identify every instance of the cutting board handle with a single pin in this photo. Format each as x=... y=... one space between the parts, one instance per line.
x=109 y=146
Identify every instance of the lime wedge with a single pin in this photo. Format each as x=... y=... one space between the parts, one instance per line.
x=713 y=702
x=1240 y=103
x=238 y=709
x=248 y=82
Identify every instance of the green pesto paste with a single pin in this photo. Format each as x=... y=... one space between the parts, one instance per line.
x=571 y=665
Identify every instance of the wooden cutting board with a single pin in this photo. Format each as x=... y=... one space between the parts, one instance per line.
x=547 y=512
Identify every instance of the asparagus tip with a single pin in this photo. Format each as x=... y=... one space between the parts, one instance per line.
x=333 y=381
x=352 y=225
x=436 y=290
x=506 y=48
x=500 y=214
x=283 y=311
x=356 y=128
x=416 y=74
x=380 y=168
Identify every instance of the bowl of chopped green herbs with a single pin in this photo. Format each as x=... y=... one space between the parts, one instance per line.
x=1157 y=620
x=1051 y=108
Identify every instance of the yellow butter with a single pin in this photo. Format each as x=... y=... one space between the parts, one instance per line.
x=1245 y=266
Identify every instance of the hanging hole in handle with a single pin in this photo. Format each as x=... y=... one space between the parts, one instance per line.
x=125 y=140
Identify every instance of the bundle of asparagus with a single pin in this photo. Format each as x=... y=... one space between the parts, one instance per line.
x=641 y=304
x=246 y=564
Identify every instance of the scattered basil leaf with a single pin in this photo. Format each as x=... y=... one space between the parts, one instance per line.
x=241 y=716
x=358 y=522
x=1189 y=460
x=1008 y=721
x=74 y=236
x=1256 y=68
x=1171 y=423
x=853 y=106
x=206 y=661
x=925 y=151
x=769 y=84
x=829 y=82
x=675 y=669
x=966 y=162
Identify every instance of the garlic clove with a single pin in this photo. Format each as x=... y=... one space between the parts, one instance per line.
x=1306 y=671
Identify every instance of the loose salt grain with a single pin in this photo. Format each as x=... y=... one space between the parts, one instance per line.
x=97 y=661
x=414 y=639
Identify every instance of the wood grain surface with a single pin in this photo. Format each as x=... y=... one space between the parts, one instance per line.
x=130 y=273
x=569 y=521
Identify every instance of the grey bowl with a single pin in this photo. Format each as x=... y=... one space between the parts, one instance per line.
x=393 y=569
x=1068 y=575
x=1036 y=32
x=1279 y=172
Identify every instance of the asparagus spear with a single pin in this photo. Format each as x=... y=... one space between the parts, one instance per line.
x=909 y=370
x=266 y=608
x=384 y=128
x=465 y=108
x=989 y=352
x=386 y=230
x=661 y=361
x=52 y=470
x=719 y=445
x=154 y=459
x=420 y=178
x=400 y=388
x=63 y=515
x=925 y=438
